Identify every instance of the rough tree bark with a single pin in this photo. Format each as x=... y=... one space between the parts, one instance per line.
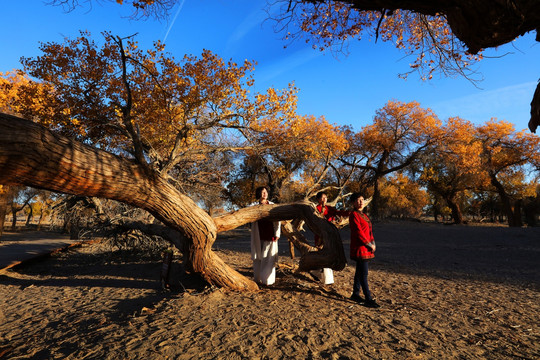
x=292 y=231
x=511 y=208
x=454 y=206
x=4 y=194
x=535 y=110
x=34 y=156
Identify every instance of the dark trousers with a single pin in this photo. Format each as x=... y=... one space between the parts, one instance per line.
x=360 y=279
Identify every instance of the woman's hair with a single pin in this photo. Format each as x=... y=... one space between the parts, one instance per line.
x=258 y=191
x=355 y=196
x=320 y=194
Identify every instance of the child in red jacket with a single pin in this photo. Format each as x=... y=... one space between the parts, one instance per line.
x=362 y=249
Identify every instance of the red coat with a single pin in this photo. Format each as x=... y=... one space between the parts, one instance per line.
x=329 y=212
x=361 y=234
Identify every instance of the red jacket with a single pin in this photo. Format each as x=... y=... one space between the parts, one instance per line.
x=361 y=234
x=329 y=212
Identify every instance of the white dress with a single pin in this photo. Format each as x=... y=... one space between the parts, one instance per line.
x=264 y=254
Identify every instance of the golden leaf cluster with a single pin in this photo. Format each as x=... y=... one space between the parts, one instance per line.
x=403 y=197
x=477 y=157
x=400 y=127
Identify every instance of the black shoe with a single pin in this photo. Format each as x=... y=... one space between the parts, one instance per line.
x=371 y=304
x=356 y=298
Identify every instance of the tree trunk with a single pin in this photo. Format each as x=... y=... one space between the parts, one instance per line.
x=14 y=211
x=436 y=214
x=331 y=255
x=296 y=238
x=530 y=208
x=514 y=220
x=73 y=226
x=534 y=122
x=516 y=212
x=376 y=200
x=30 y=215
x=33 y=156
x=4 y=199
x=40 y=220
x=456 y=211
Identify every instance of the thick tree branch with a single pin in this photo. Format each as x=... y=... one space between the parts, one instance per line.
x=535 y=109
x=479 y=24
x=331 y=255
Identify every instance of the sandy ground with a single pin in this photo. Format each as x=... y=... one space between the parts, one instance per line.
x=446 y=292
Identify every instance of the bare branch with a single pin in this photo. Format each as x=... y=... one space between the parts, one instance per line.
x=126 y=110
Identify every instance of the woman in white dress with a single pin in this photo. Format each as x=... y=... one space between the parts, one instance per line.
x=264 y=243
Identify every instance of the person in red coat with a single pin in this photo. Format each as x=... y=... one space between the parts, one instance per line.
x=362 y=249
x=329 y=213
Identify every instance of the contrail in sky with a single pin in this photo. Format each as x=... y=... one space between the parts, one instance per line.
x=174 y=20
x=510 y=103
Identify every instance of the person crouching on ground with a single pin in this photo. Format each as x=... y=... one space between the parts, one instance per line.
x=264 y=243
x=362 y=249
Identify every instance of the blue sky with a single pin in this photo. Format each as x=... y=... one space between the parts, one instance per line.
x=346 y=90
